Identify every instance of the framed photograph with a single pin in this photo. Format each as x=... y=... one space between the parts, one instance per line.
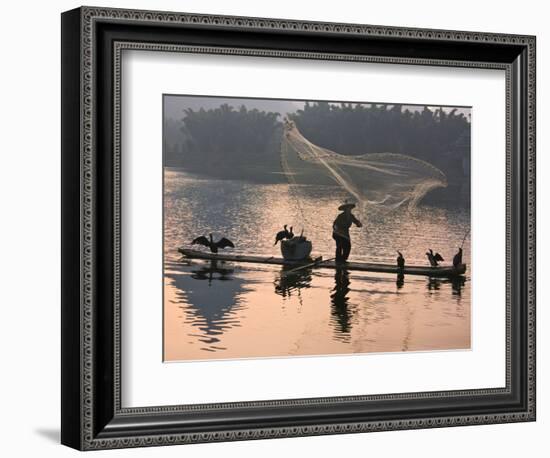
x=276 y=228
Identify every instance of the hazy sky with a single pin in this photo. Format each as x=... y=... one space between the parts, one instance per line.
x=175 y=104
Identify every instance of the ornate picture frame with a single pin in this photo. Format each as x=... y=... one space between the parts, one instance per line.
x=93 y=416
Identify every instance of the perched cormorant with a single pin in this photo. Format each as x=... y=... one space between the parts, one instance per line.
x=281 y=235
x=222 y=243
x=400 y=260
x=434 y=258
x=457 y=260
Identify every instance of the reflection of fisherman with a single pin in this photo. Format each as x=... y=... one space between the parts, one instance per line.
x=339 y=298
x=340 y=231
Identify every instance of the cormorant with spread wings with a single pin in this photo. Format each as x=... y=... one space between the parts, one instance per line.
x=222 y=243
x=434 y=258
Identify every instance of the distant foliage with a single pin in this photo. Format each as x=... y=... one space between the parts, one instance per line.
x=248 y=141
x=226 y=129
x=358 y=129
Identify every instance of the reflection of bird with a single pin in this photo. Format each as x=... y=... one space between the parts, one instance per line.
x=206 y=272
x=457 y=260
x=457 y=282
x=434 y=258
x=400 y=280
x=434 y=284
x=284 y=234
x=293 y=281
x=400 y=260
x=222 y=243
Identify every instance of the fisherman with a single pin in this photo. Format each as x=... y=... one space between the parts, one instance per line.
x=340 y=231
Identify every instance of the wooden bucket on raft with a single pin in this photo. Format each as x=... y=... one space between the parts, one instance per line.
x=296 y=249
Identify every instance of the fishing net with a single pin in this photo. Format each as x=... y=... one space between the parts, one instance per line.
x=376 y=182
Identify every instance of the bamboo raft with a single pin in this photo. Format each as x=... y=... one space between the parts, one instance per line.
x=440 y=271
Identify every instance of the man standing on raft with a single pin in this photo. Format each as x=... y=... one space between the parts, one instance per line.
x=340 y=231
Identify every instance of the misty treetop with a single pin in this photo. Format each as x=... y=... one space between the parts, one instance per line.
x=375 y=128
x=435 y=136
x=226 y=129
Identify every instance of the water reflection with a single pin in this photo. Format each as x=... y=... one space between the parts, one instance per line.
x=213 y=310
x=457 y=284
x=215 y=271
x=291 y=281
x=400 y=281
x=340 y=307
x=433 y=284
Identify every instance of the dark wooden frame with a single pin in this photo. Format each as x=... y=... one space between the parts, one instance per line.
x=92 y=42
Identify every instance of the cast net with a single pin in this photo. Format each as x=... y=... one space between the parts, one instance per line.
x=376 y=182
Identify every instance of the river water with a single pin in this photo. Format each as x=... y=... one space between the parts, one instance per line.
x=237 y=310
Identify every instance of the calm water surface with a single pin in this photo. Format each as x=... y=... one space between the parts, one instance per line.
x=217 y=310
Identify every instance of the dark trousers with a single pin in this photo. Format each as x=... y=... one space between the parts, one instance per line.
x=343 y=247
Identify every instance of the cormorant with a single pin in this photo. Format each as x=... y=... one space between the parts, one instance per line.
x=222 y=243
x=400 y=260
x=281 y=235
x=434 y=258
x=457 y=260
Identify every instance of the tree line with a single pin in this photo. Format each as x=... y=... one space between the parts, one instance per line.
x=437 y=136
x=250 y=139
x=229 y=130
